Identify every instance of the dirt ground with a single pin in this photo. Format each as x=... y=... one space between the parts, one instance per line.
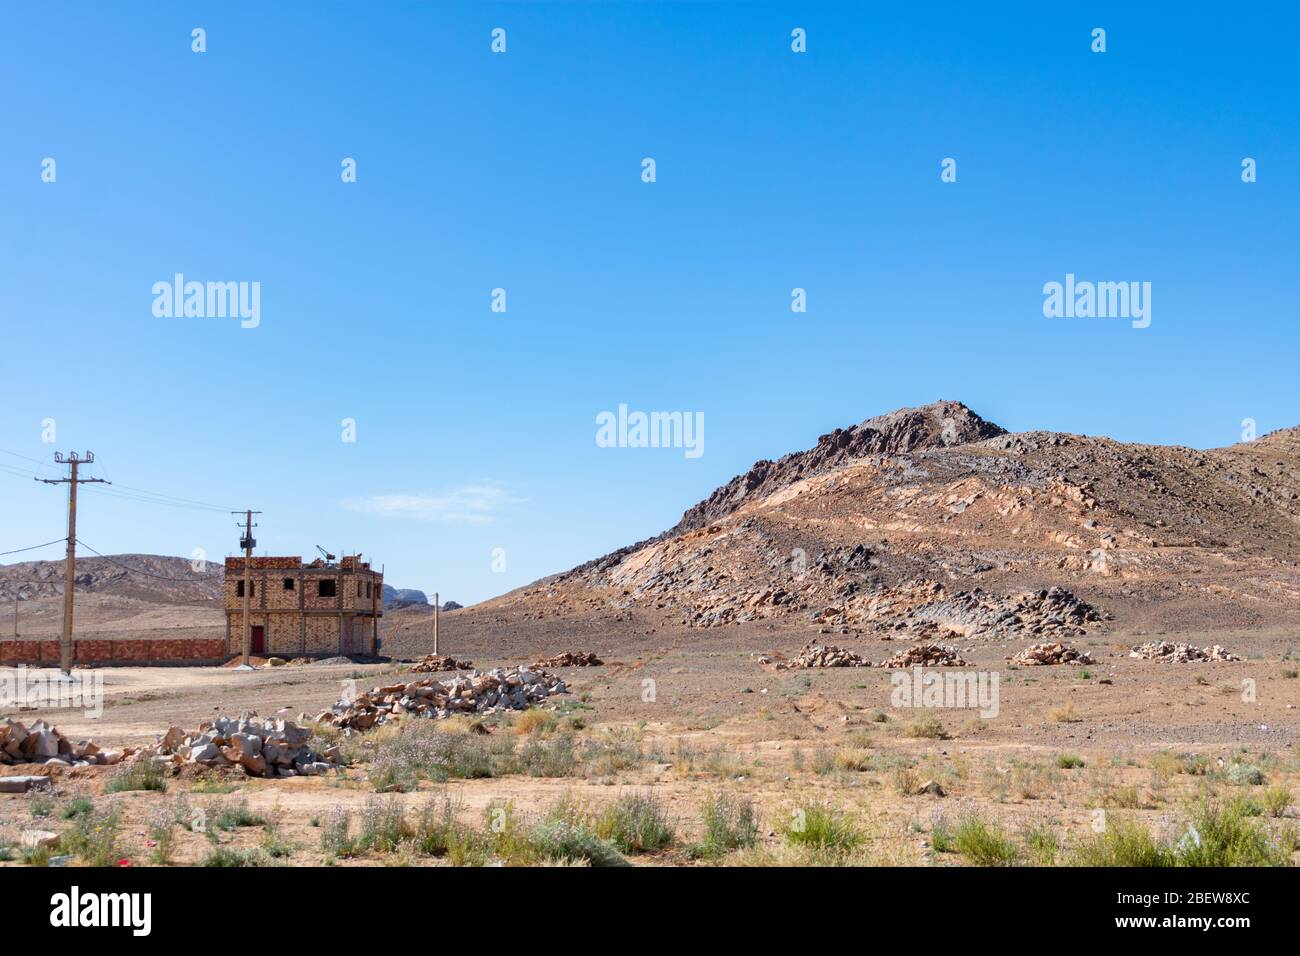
x=682 y=722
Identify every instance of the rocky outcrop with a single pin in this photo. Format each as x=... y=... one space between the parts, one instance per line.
x=937 y=425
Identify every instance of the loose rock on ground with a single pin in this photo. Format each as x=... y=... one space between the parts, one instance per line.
x=479 y=692
x=1052 y=652
x=1180 y=653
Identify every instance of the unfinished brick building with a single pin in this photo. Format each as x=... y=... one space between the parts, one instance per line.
x=313 y=610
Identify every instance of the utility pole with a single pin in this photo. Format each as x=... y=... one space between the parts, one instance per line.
x=247 y=542
x=436 y=608
x=70 y=562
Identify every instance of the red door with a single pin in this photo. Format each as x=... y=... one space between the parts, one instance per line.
x=258 y=640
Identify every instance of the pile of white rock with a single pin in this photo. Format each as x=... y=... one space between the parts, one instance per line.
x=42 y=743
x=263 y=747
x=478 y=692
x=1180 y=653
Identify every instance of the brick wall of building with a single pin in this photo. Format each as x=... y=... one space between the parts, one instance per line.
x=93 y=653
x=322 y=635
x=283 y=635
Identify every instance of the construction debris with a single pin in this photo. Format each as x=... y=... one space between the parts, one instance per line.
x=926 y=655
x=479 y=692
x=570 y=659
x=1051 y=652
x=42 y=743
x=432 y=663
x=820 y=655
x=1180 y=653
x=265 y=747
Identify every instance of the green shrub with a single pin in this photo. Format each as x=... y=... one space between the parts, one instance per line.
x=1244 y=775
x=229 y=817
x=1225 y=835
x=93 y=838
x=822 y=827
x=984 y=842
x=383 y=826
x=636 y=823
x=77 y=807
x=227 y=856
x=559 y=839
x=142 y=775
x=548 y=758
x=729 y=824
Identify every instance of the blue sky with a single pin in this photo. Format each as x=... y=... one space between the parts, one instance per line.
x=522 y=171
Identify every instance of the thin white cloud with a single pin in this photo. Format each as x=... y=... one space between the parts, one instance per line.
x=468 y=504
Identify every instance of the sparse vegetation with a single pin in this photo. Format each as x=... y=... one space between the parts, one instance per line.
x=984 y=842
x=141 y=775
x=822 y=827
x=636 y=823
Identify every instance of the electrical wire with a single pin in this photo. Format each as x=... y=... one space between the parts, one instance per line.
x=148 y=574
x=35 y=546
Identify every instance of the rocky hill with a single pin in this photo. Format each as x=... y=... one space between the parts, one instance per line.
x=150 y=578
x=932 y=522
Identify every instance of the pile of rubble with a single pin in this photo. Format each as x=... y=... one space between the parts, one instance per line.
x=433 y=663
x=479 y=692
x=42 y=743
x=266 y=747
x=926 y=655
x=570 y=659
x=1180 y=653
x=1051 y=652
x=820 y=655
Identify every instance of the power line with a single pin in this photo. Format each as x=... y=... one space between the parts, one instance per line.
x=34 y=547
x=142 y=499
x=148 y=574
x=142 y=495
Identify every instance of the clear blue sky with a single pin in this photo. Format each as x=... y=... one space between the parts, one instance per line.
x=523 y=171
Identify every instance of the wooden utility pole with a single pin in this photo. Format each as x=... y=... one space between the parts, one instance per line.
x=436 y=608
x=247 y=542
x=70 y=562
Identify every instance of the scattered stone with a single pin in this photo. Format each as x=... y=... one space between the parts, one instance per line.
x=1180 y=653
x=478 y=692
x=22 y=784
x=436 y=662
x=263 y=747
x=821 y=655
x=1052 y=652
x=42 y=743
x=926 y=655
x=571 y=659
x=33 y=839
